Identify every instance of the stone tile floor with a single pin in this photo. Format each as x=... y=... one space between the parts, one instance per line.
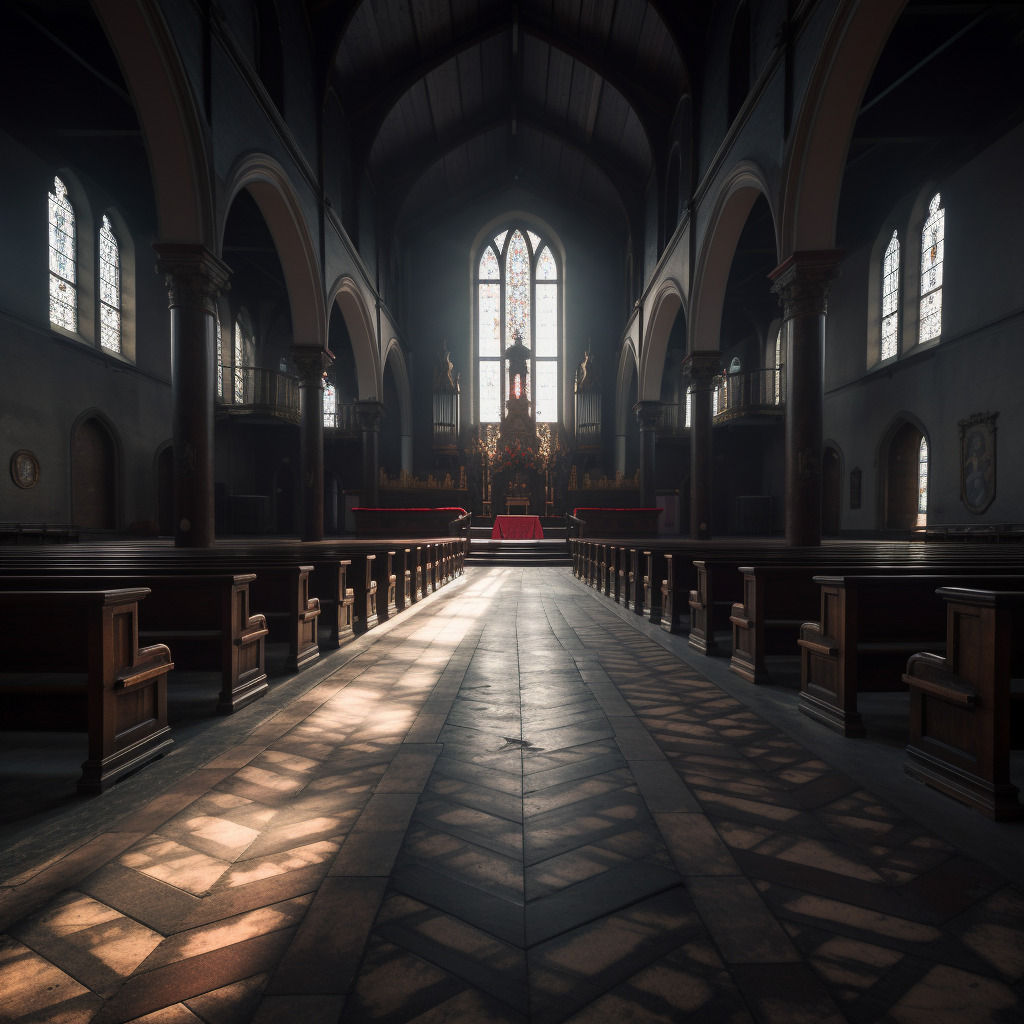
x=515 y=803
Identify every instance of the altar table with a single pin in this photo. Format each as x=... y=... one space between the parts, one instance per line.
x=517 y=528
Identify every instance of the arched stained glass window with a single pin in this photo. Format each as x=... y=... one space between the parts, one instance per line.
x=330 y=405
x=778 y=368
x=890 y=298
x=110 y=288
x=242 y=357
x=932 y=253
x=518 y=293
x=922 y=478
x=219 y=345
x=689 y=406
x=63 y=273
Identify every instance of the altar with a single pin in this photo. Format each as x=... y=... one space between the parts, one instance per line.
x=517 y=528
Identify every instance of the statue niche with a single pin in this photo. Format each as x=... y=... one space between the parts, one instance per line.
x=517 y=469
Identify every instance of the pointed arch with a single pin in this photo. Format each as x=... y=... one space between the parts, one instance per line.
x=733 y=203
x=170 y=117
x=269 y=185
x=394 y=357
x=369 y=367
x=899 y=484
x=668 y=304
x=816 y=160
x=95 y=465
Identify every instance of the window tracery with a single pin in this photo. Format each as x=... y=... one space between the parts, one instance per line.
x=518 y=294
x=63 y=256
x=922 y=478
x=932 y=254
x=110 y=288
x=890 y=298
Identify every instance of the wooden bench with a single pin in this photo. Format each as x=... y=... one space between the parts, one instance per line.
x=203 y=618
x=961 y=706
x=121 y=702
x=869 y=626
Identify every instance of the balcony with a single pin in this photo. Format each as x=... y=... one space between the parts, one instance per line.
x=341 y=422
x=755 y=393
x=253 y=391
x=750 y=393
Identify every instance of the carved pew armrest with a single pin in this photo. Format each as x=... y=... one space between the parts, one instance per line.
x=928 y=673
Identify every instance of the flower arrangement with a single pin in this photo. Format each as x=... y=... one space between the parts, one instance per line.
x=517 y=457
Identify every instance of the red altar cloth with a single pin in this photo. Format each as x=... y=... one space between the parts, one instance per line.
x=517 y=528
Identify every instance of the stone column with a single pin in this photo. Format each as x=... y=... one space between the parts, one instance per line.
x=195 y=279
x=701 y=368
x=647 y=417
x=619 y=454
x=406 y=452
x=802 y=283
x=369 y=413
x=311 y=364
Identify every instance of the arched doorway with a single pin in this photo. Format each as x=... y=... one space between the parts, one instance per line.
x=903 y=477
x=93 y=476
x=831 y=491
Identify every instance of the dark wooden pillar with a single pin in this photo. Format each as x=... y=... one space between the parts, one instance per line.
x=195 y=279
x=370 y=412
x=802 y=283
x=647 y=417
x=700 y=370
x=311 y=364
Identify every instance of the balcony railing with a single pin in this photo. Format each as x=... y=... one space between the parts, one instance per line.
x=341 y=421
x=753 y=392
x=255 y=391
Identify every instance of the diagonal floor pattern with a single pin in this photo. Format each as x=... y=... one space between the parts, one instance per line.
x=510 y=805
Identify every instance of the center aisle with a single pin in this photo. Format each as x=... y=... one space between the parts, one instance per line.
x=513 y=806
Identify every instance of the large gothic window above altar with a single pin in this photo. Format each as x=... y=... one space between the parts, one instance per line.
x=518 y=295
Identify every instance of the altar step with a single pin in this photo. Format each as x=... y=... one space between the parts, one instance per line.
x=547 y=552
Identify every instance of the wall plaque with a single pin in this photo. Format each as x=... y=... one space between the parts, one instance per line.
x=24 y=469
x=978 y=461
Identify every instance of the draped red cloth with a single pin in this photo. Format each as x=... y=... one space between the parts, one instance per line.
x=517 y=528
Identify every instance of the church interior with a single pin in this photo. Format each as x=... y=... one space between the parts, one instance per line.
x=509 y=522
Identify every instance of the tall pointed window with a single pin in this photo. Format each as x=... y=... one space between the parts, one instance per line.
x=932 y=252
x=63 y=275
x=330 y=405
x=890 y=297
x=110 y=288
x=922 y=480
x=518 y=294
x=219 y=345
x=243 y=356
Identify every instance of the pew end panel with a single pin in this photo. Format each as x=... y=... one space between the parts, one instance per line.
x=960 y=705
x=121 y=703
x=828 y=662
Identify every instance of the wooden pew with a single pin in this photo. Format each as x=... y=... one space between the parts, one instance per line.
x=961 y=705
x=869 y=626
x=329 y=584
x=364 y=588
x=204 y=619
x=122 y=703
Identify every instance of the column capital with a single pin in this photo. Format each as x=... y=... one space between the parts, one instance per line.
x=311 y=364
x=369 y=413
x=194 y=276
x=702 y=368
x=802 y=282
x=647 y=414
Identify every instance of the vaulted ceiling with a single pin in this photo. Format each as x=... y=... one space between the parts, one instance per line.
x=459 y=97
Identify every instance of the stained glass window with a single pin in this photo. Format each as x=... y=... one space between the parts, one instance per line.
x=239 y=361
x=219 y=344
x=518 y=293
x=330 y=406
x=922 y=477
x=110 y=288
x=890 y=297
x=778 y=367
x=63 y=293
x=489 y=269
x=689 y=407
x=932 y=251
